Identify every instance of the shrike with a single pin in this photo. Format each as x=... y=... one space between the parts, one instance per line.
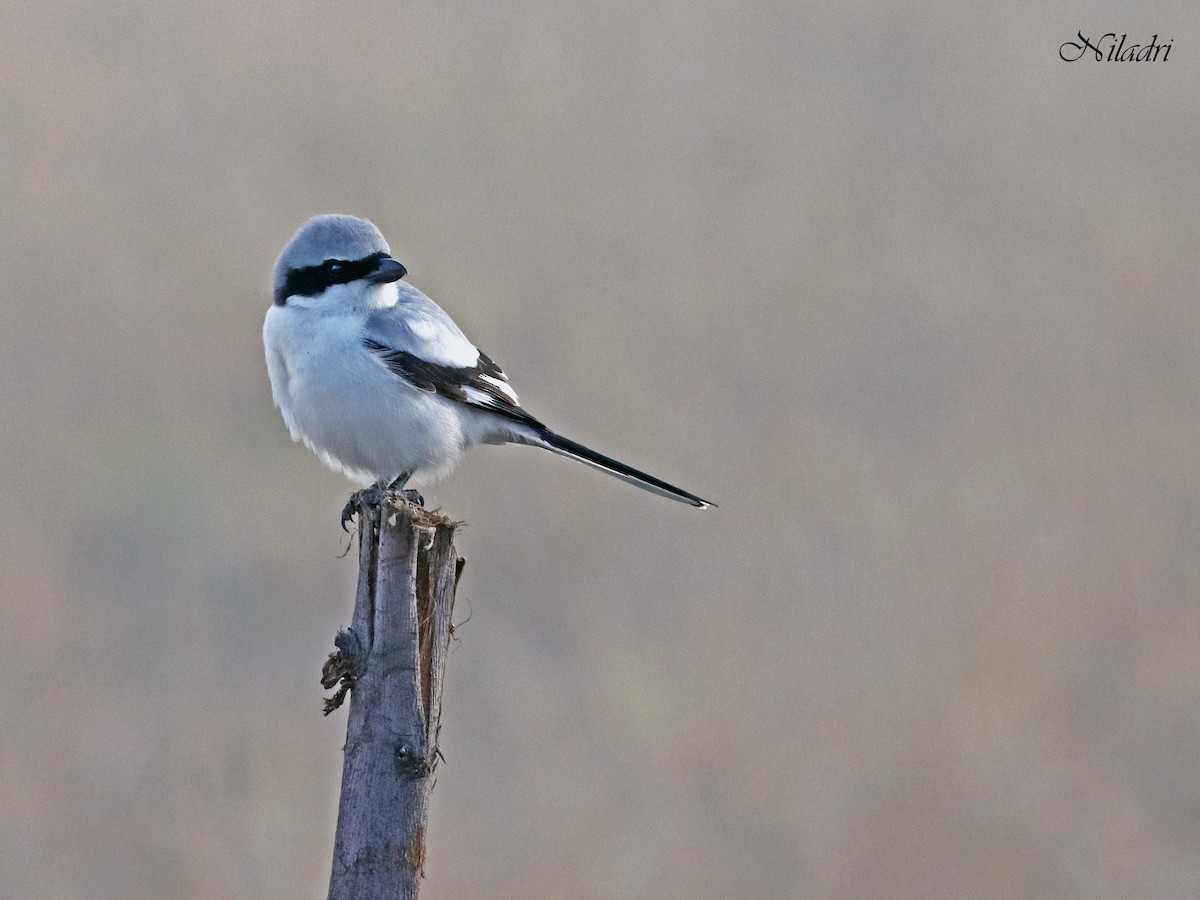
x=378 y=381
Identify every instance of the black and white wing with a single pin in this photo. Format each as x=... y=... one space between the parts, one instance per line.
x=423 y=345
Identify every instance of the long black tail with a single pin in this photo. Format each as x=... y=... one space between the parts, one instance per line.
x=566 y=447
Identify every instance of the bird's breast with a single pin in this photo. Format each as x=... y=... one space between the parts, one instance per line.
x=343 y=402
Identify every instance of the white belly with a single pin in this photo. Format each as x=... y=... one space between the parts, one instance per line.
x=355 y=414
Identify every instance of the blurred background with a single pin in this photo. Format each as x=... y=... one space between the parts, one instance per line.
x=911 y=298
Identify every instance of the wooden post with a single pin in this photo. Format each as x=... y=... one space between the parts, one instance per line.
x=392 y=660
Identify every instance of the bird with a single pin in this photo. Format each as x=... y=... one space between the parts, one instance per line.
x=379 y=382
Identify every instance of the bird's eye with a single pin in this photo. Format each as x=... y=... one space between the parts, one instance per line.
x=332 y=266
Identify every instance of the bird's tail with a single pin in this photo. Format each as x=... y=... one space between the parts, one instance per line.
x=570 y=449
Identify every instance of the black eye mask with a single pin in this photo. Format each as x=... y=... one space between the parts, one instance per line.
x=311 y=280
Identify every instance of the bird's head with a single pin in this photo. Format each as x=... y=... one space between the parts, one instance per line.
x=337 y=262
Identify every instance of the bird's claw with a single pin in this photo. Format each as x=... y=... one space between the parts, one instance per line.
x=348 y=514
x=359 y=500
x=414 y=497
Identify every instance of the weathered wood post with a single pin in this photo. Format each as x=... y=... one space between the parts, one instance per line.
x=392 y=660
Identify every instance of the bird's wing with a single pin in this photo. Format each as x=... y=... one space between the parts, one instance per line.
x=421 y=344
x=417 y=325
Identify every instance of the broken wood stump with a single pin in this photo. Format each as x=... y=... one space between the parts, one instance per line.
x=391 y=661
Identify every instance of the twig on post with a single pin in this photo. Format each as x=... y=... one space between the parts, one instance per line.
x=392 y=661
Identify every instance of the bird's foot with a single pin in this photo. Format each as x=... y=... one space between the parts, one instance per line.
x=359 y=500
x=374 y=496
x=410 y=495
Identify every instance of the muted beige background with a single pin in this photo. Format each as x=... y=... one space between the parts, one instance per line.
x=911 y=298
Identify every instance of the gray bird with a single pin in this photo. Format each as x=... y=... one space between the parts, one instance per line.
x=378 y=381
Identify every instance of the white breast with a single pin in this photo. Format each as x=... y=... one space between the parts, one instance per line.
x=344 y=404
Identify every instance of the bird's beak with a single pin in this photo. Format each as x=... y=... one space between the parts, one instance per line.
x=387 y=270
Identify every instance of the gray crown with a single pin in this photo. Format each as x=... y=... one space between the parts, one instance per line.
x=329 y=237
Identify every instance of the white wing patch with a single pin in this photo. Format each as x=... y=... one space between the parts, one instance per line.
x=503 y=387
x=477 y=397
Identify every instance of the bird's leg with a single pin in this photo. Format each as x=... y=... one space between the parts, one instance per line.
x=412 y=496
